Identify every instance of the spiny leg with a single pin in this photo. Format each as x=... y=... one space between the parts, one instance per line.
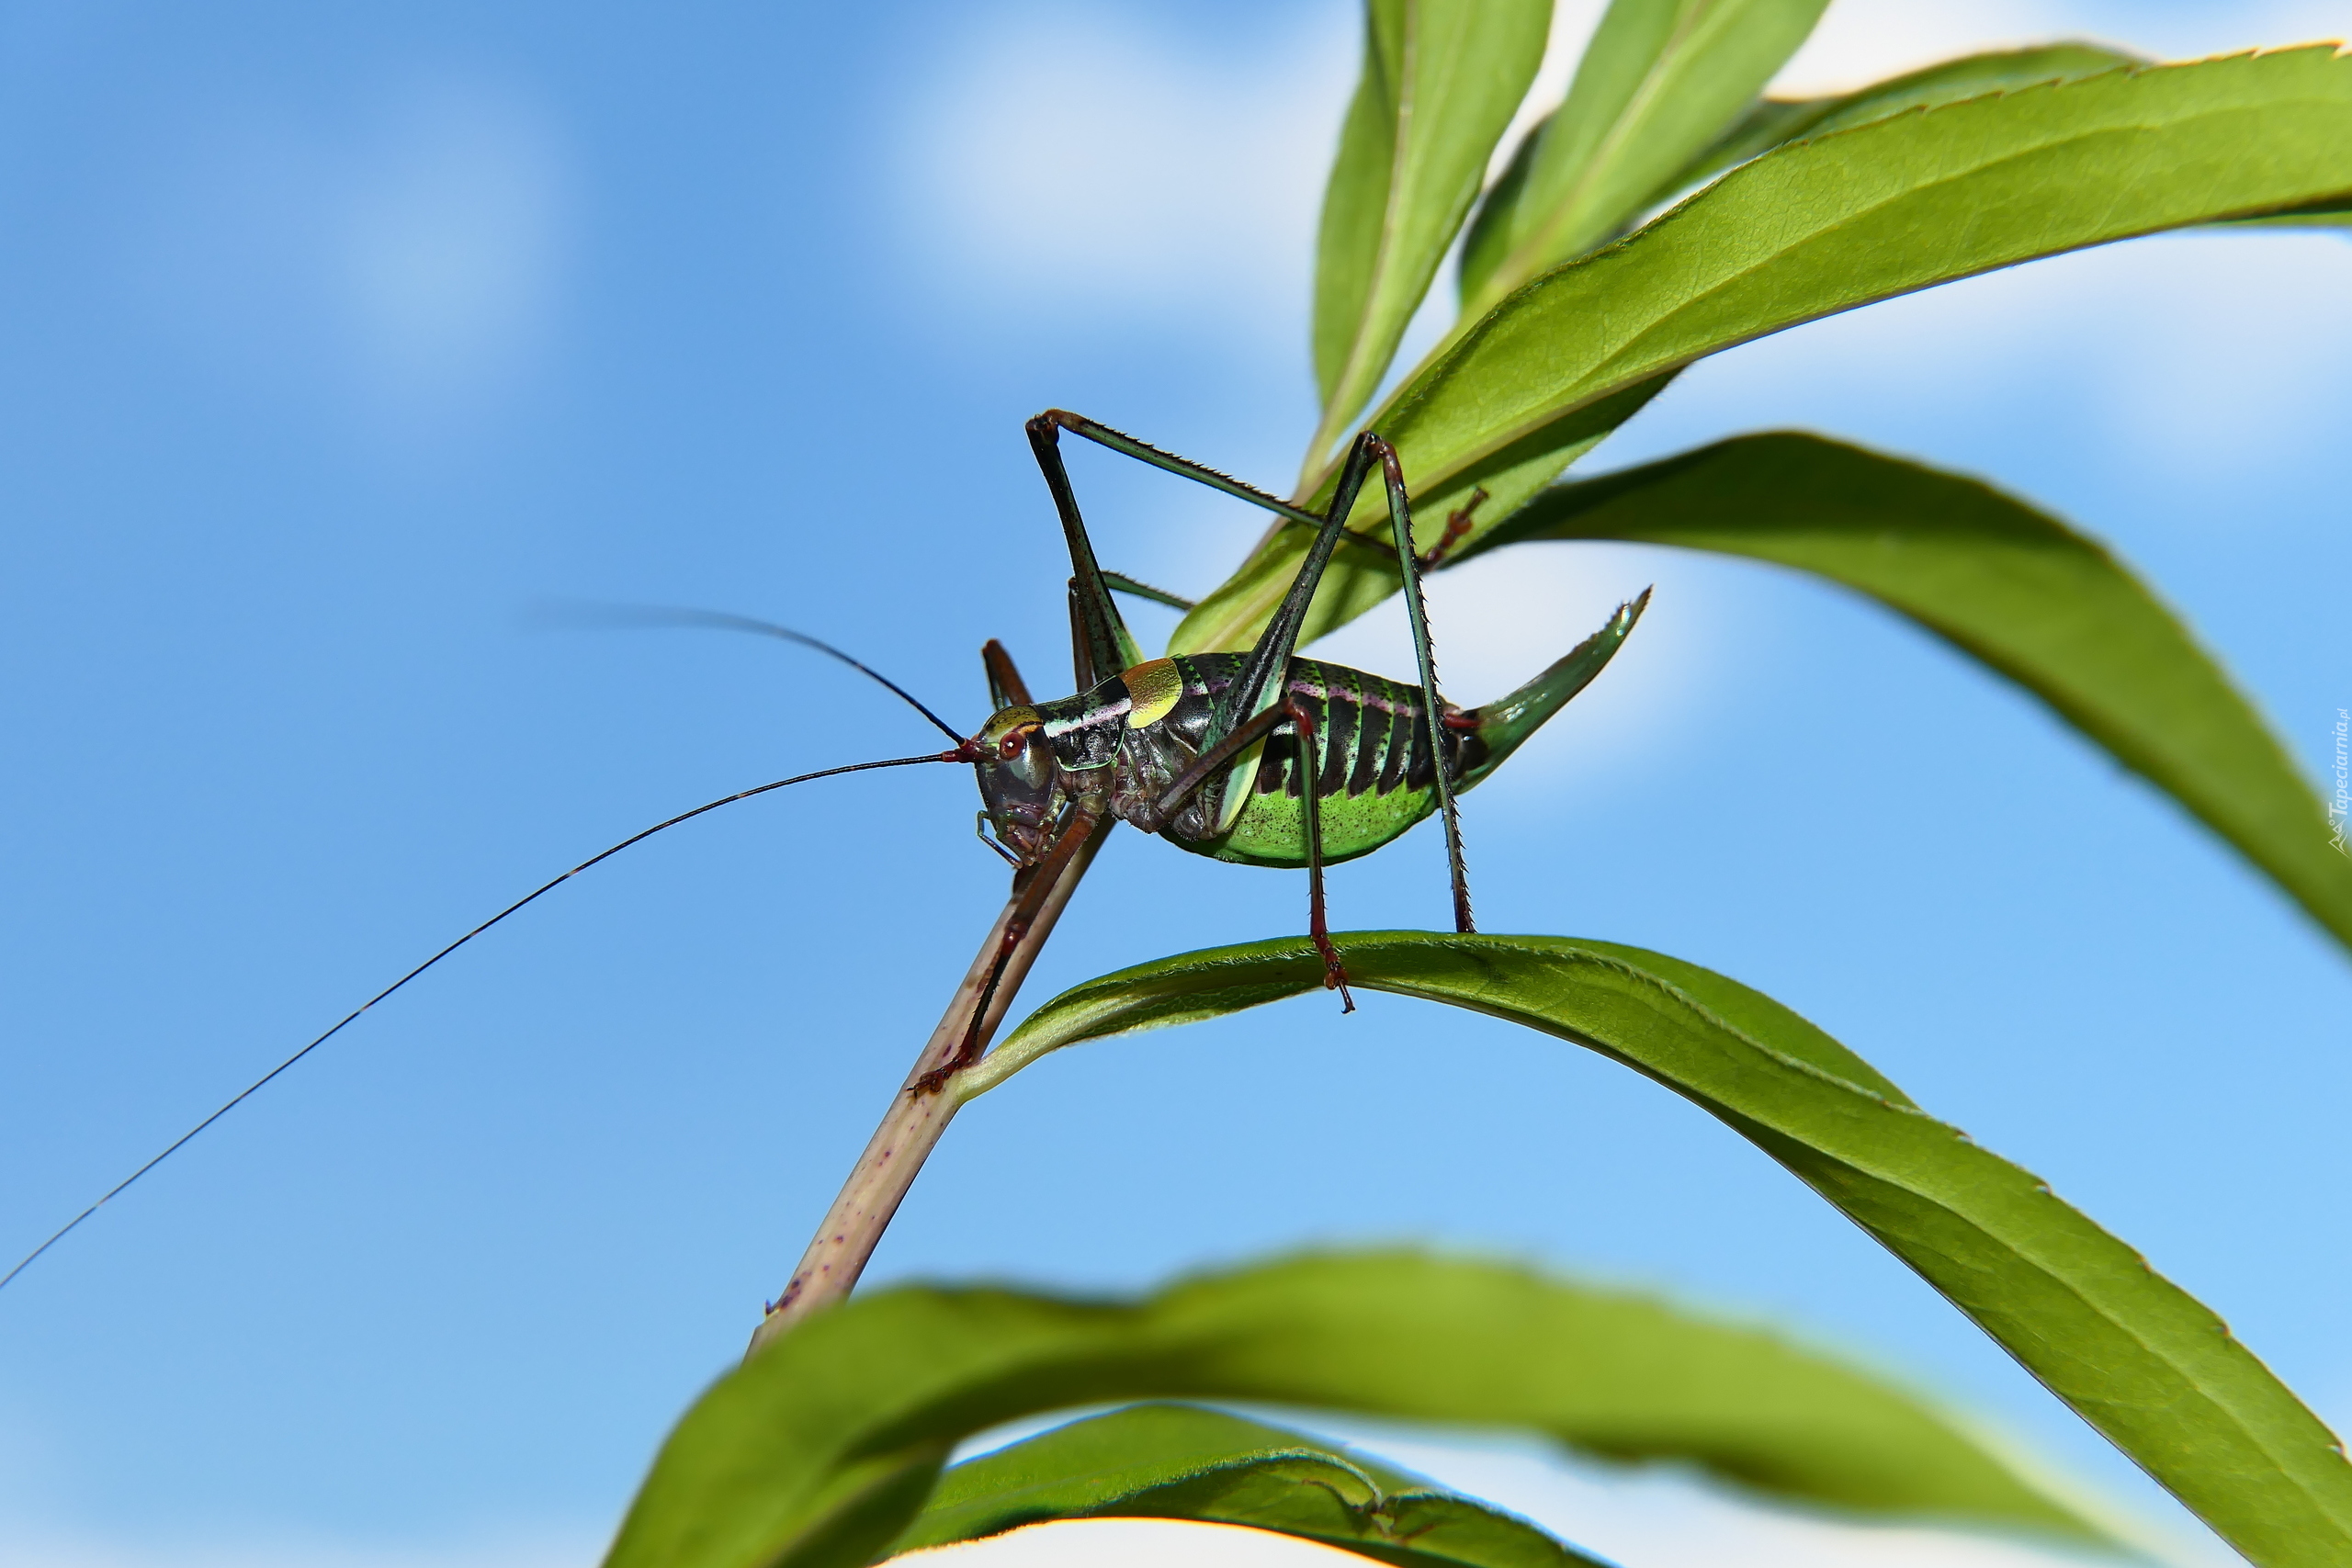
x=1144 y=451
x=1100 y=631
x=1252 y=704
x=1183 y=467
x=1101 y=645
x=1265 y=672
x=1259 y=698
x=1458 y=523
x=1269 y=662
x=1400 y=518
x=1120 y=582
x=1309 y=774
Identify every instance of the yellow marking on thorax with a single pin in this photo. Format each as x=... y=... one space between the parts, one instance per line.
x=1153 y=691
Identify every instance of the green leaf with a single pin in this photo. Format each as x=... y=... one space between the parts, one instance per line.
x=1775 y=121
x=2135 y=1356
x=1360 y=579
x=1822 y=226
x=2337 y=215
x=2008 y=585
x=822 y=1448
x=1441 y=79
x=1890 y=207
x=1660 y=80
x=1178 y=1462
x=2337 y=221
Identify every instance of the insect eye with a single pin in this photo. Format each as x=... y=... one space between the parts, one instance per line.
x=1013 y=745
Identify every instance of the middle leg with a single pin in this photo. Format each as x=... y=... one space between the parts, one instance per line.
x=1309 y=774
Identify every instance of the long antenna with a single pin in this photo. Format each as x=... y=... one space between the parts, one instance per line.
x=250 y=1090
x=722 y=620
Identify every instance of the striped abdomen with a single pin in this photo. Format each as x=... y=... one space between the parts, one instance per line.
x=1376 y=777
x=1128 y=740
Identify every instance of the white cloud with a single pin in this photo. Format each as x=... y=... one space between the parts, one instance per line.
x=405 y=258
x=2229 y=350
x=446 y=245
x=1070 y=155
x=1859 y=41
x=1062 y=156
x=1496 y=620
x=2193 y=358
x=1572 y=25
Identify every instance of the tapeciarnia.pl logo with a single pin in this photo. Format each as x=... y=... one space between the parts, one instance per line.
x=2340 y=808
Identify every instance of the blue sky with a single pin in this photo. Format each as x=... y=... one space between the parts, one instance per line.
x=338 y=339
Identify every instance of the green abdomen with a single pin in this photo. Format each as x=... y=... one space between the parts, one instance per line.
x=1270 y=830
x=1376 y=777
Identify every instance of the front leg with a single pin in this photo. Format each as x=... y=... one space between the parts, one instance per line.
x=1154 y=816
x=1037 y=884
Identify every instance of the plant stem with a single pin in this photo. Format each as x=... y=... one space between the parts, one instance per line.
x=917 y=1117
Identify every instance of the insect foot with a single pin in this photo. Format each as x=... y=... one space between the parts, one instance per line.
x=1335 y=974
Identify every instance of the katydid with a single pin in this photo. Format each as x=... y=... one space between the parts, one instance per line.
x=1260 y=759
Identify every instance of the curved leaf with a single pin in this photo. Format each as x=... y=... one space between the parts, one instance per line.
x=1441 y=79
x=1774 y=122
x=1178 y=1462
x=1360 y=579
x=2135 y=1356
x=1660 y=80
x=2337 y=215
x=821 y=1449
x=2012 y=587
x=1825 y=225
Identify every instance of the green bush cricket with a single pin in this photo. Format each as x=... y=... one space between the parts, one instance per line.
x=1259 y=759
